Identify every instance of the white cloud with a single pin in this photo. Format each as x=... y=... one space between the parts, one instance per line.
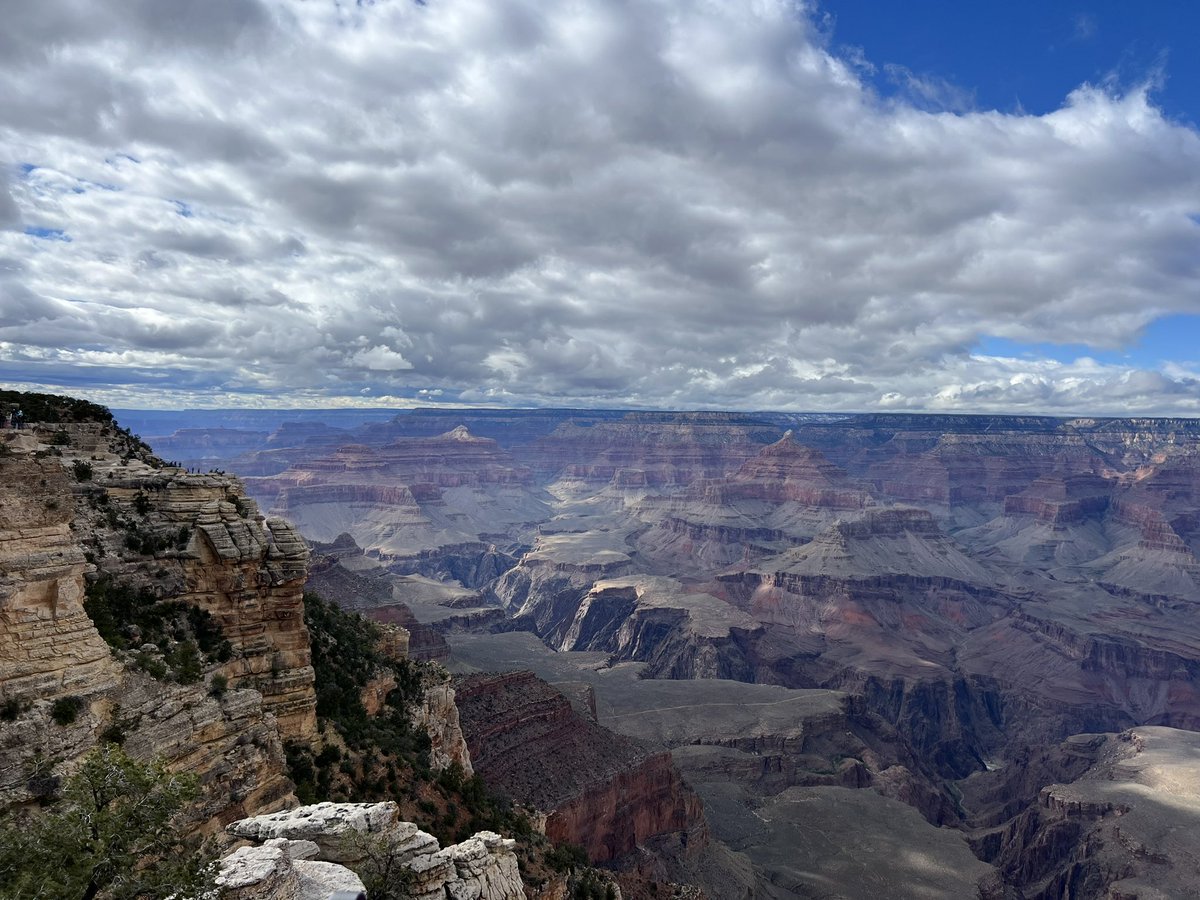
x=380 y=359
x=689 y=204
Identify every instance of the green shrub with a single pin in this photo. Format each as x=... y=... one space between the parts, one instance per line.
x=113 y=734
x=152 y=665
x=118 y=611
x=54 y=409
x=10 y=709
x=65 y=710
x=183 y=660
x=109 y=836
x=385 y=755
x=566 y=856
x=219 y=685
x=83 y=470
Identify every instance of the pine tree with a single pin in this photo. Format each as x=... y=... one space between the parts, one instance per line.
x=110 y=836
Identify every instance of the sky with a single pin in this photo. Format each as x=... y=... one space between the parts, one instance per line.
x=742 y=204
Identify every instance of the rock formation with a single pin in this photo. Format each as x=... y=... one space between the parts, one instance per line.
x=93 y=510
x=596 y=789
x=320 y=846
x=1125 y=826
x=406 y=496
x=340 y=573
x=977 y=587
x=438 y=716
x=48 y=645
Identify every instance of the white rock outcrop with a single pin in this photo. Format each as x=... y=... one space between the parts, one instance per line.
x=311 y=847
x=283 y=870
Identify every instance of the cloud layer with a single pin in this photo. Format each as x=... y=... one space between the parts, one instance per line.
x=665 y=203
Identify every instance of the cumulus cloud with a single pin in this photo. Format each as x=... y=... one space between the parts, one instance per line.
x=380 y=359
x=659 y=204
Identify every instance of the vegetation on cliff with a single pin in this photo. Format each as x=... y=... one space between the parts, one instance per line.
x=53 y=408
x=109 y=836
x=377 y=753
x=168 y=639
x=363 y=757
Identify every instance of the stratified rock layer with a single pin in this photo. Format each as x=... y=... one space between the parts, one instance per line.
x=151 y=528
x=48 y=645
x=602 y=791
x=1126 y=827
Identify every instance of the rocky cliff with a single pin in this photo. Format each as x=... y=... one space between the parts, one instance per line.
x=979 y=587
x=1124 y=826
x=405 y=496
x=313 y=850
x=48 y=645
x=92 y=517
x=649 y=450
x=596 y=788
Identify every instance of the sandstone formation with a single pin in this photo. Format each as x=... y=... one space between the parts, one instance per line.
x=153 y=529
x=438 y=716
x=343 y=836
x=247 y=571
x=48 y=646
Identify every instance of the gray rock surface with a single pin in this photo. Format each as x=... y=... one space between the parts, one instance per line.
x=483 y=867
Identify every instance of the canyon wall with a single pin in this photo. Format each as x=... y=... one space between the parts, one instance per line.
x=597 y=789
x=84 y=505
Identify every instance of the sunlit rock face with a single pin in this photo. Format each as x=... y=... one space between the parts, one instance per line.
x=247 y=571
x=1122 y=824
x=48 y=645
x=194 y=539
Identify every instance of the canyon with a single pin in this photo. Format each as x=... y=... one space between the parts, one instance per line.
x=937 y=600
x=745 y=655
x=156 y=608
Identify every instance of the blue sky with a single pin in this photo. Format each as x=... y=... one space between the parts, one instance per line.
x=718 y=204
x=1025 y=55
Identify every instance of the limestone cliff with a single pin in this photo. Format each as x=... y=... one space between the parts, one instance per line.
x=48 y=646
x=318 y=848
x=198 y=540
x=438 y=716
x=87 y=505
x=1125 y=825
